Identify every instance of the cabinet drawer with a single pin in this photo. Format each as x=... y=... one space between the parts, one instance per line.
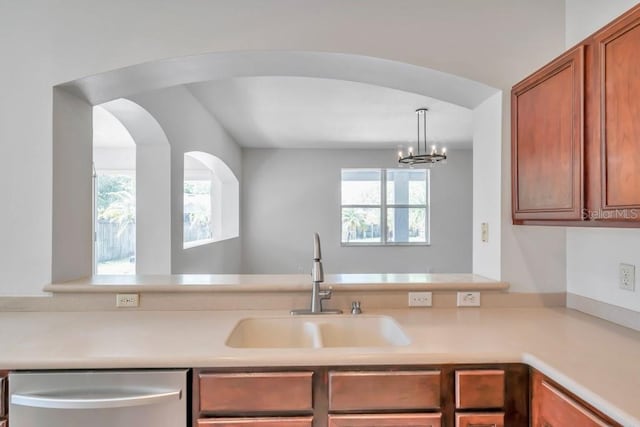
x=479 y=389
x=384 y=390
x=553 y=408
x=256 y=392
x=386 y=420
x=263 y=422
x=480 y=420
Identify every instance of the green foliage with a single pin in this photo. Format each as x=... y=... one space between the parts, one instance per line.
x=116 y=199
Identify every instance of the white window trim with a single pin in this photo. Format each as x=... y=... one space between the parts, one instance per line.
x=383 y=206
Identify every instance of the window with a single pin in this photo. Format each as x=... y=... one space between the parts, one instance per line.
x=115 y=223
x=385 y=206
x=210 y=200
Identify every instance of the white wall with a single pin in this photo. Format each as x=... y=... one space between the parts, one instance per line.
x=45 y=43
x=153 y=209
x=593 y=255
x=72 y=186
x=288 y=194
x=189 y=127
x=584 y=17
x=487 y=186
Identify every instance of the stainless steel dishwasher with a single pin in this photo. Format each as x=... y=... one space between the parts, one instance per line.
x=137 y=398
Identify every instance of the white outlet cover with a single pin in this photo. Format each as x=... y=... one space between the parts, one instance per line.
x=420 y=299
x=468 y=299
x=628 y=277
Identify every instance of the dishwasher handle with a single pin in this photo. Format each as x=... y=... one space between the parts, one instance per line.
x=103 y=399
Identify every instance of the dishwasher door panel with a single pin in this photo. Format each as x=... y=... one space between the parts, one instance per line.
x=153 y=398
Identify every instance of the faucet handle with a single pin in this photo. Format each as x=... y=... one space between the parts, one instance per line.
x=355 y=307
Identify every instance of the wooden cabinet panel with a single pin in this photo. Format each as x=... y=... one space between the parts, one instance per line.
x=480 y=389
x=480 y=419
x=261 y=422
x=3 y=395
x=552 y=407
x=547 y=116
x=386 y=420
x=614 y=147
x=354 y=390
x=256 y=392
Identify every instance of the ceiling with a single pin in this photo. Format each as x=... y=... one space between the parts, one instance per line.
x=305 y=112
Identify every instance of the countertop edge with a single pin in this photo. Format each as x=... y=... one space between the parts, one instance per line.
x=277 y=283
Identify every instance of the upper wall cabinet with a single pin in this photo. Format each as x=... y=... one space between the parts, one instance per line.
x=547 y=141
x=614 y=107
x=576 y=134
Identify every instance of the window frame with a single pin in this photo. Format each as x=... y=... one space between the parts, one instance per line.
x=384 y=206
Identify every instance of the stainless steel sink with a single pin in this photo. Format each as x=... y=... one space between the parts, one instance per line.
x=317 y=332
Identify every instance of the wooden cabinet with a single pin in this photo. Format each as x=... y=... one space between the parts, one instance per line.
x=547 y=141
x=243 y=399
x=614 y=113
x=553 y=406
x=4 y=398
x=256 y=421
x=386 y=420
x=483 y=392
x=255 y=392
x=479 y=389
x=480 y=420
x=374 y=391
x=362 y=396
x=394 y=390
x=575 y=131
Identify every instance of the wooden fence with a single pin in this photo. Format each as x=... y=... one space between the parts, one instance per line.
x=115 y=241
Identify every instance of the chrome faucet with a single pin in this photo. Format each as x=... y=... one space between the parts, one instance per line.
x=317 y=277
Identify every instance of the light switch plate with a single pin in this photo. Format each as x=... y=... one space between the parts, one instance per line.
x=484 y=228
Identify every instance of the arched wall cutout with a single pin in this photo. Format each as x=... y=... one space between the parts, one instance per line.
x=154 y=75
x=153 y=186
x=224 y=221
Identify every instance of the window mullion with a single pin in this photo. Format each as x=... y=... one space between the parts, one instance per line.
x=383 y=207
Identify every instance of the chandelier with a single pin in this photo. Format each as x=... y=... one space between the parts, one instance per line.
x=422 y=157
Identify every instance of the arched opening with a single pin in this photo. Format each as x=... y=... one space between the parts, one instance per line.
x=114 y=190
x=210 y=200
x=132 y=218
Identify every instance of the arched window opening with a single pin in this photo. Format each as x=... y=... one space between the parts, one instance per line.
x=210 y=200
x=114 y=159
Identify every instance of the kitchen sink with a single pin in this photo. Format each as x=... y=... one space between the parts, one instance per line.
x=321 y=331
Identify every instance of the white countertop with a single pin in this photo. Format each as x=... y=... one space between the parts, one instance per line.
x=275 y=282
x=595 y=359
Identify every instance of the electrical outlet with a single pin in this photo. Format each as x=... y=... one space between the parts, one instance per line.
x=628 y=277
x=127 y=300
x=419 y=299
x=468 y=299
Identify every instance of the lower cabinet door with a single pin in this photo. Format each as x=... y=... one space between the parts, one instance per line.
x=386 y=420
x=470 y=419
x=553 y=408
x=261 y=422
